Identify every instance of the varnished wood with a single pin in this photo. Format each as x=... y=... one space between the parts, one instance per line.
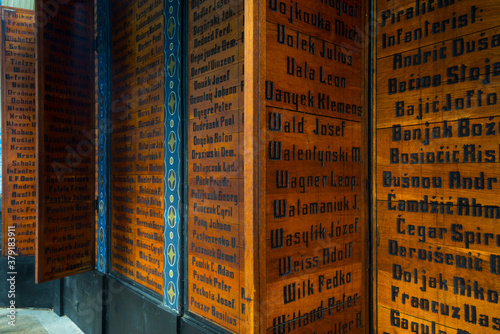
x=65 y=144
x=312 y=153
x=137 y=142
x=216 y=88
x=429 y=27
x=17 y=53
x=436 y=211
x=304 y=155
x=255 y=206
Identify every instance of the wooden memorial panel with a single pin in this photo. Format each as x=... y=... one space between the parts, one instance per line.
x=66 y=143
x=312 y=125
x=17 y=56
x=216 y=230
x=437 y=158
x=137 y=142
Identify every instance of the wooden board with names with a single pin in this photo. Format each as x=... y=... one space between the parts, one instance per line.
x=65 y=154
x=436 y=164
x=313 y=123
x=216 y=232
x=137 y=142
x=298 y=215
x=17 y=58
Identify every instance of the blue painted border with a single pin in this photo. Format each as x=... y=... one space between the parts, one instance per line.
x=173 y=174
x=102 y=46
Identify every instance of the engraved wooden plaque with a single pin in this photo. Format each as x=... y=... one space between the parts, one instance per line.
x=279 y=169
x=313 y=145
x=216 y=231
x=137 y=142
x=17 y=56
x=436 y=158
x=66 y=139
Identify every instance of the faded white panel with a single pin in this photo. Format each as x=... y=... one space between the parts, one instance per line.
x=25 y=4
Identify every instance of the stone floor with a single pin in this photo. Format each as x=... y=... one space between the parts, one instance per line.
x=36 y=321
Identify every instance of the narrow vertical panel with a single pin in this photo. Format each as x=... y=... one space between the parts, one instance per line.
x=313 y=147
x=17 y=58
x=65 y=144
x=254 y=63
x=103 y=75
x=173 y=175
x=137 y=142
x=216 y=267
x=436 y=166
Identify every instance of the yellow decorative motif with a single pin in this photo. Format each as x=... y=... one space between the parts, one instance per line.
x=171 y=293
x=172 y=142
x=171 y=255
x=171 y=180
x=171 y=217
x=172 y=103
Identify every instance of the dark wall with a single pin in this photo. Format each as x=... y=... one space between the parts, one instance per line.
x=27 y=293
x=192 y=326
x=131 y=312
x=96 y=303
x=100 y=304
x=82 y=301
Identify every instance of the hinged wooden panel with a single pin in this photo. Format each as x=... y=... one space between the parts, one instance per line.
x=313 y=144
x=17 y=58
x=291 y=89
x=66 y=139
x=138 y=142
x=217 y=286
x=437 y=159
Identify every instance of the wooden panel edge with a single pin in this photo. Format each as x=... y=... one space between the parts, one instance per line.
x=39 y=91
x=254 y=241
x=4 y=137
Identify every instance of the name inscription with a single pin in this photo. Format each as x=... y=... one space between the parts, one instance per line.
x=66 y=155
x=18 y=129
x=216 y=289
x=137 y=145
x=314 y=112
x=437 y=252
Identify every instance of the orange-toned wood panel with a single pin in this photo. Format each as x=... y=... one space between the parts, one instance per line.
x=437 y=159
x=313 y=125
x=407 y=25
x=448 y=80
x=17 y=56
x=439 y=267
x=137 y=142
x=66 y=142
x=216 y=232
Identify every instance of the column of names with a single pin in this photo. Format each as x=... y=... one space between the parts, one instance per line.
x=137 y=145
x=314 y=95
x=65 y=157
x=18 y=127
x=216 y=287
x=437 y=166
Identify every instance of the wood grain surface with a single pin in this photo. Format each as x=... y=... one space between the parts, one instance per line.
x=437 y=157
x=137 y=142
x=216 y=229
x=66 y=143
x=17 y=56
x=312 y=123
